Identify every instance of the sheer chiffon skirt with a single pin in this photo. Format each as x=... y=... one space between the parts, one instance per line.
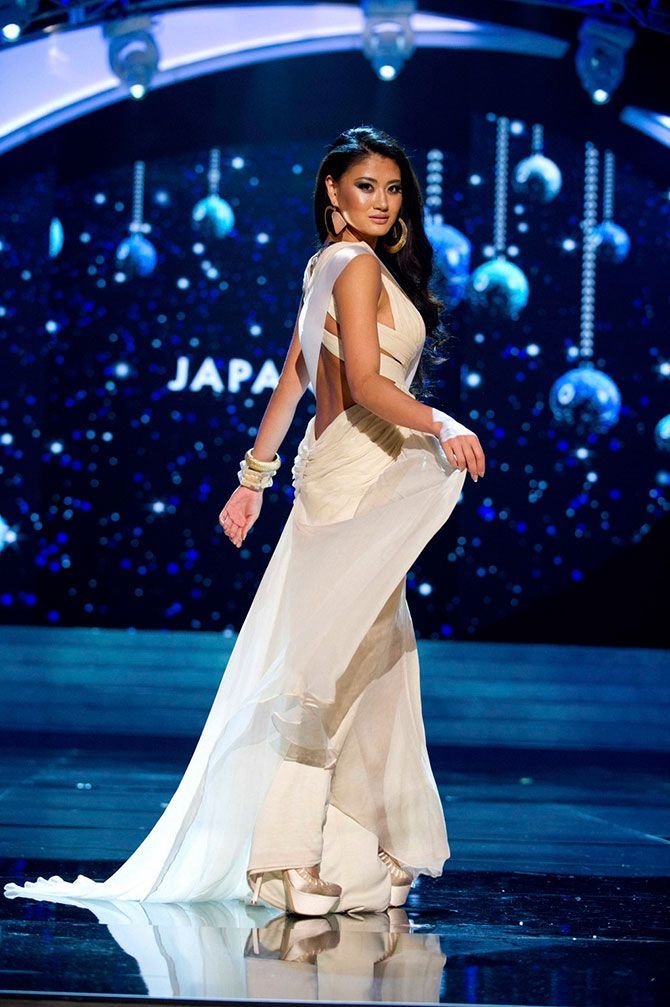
x=314 y=748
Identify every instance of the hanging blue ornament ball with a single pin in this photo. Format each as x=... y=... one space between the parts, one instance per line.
x=213 y=217
x=662 y=433
x=56 y=238
x=451 y=259
x=611 y=242
x=6 y=534
x=586 y=399
x=136 y=256
x=498 y=288
x=537 y=178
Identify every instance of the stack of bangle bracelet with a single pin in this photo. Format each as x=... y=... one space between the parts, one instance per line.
x=255 y=473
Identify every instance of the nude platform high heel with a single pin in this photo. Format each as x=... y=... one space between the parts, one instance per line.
x=304 y=894
x=401 y=880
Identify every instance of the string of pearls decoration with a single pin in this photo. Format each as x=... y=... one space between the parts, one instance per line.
x=434 y=179
x=137 y=226
x=214 y=173
x=589 y=251
x=608 y=186
x=500 y=211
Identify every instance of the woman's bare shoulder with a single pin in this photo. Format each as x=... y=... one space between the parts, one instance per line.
x=356 y=249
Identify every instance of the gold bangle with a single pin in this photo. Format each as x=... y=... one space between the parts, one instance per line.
x=261 y=466
x=255 y=480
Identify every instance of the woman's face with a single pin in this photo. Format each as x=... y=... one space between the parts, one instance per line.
x=369 y=196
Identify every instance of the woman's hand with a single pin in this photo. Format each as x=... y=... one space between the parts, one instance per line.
x=463 y=452
x=240 y=512
x=460 y=444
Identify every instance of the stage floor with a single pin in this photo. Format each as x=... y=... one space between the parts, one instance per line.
x=555 y=893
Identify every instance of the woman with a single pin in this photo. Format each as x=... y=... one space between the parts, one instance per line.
x=313 y=756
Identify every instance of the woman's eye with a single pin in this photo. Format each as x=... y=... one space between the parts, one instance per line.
x=367 y=185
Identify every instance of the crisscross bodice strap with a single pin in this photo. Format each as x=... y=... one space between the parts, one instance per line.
x=401 y=345
x=318 y=285
x=392 y=341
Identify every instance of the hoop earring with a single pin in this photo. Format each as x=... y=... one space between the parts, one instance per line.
x=334 y=209
x=397 y=245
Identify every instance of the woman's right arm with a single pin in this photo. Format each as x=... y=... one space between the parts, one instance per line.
x=356 y=292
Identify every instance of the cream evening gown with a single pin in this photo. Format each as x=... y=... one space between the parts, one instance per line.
x=314 y=749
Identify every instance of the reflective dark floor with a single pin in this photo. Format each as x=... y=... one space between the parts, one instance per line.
x=556 y=891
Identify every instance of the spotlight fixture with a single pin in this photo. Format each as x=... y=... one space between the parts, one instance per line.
x=133 y=53
x=15 y=16
x=601 y=58
x=388 y=39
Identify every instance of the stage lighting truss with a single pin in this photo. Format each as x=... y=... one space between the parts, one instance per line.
x=388 y=39
x=601 y=58
x=26 y=19
x=133 y=53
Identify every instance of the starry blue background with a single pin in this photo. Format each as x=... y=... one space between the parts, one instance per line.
x=112 y=483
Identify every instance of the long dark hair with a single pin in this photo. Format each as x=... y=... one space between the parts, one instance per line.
x=412 y=266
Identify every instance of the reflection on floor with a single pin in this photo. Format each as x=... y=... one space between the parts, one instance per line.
x=556 y=891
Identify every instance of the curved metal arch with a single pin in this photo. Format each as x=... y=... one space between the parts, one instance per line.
x=55 y=79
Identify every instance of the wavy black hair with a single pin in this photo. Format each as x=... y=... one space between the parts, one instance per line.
x=412 y=266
